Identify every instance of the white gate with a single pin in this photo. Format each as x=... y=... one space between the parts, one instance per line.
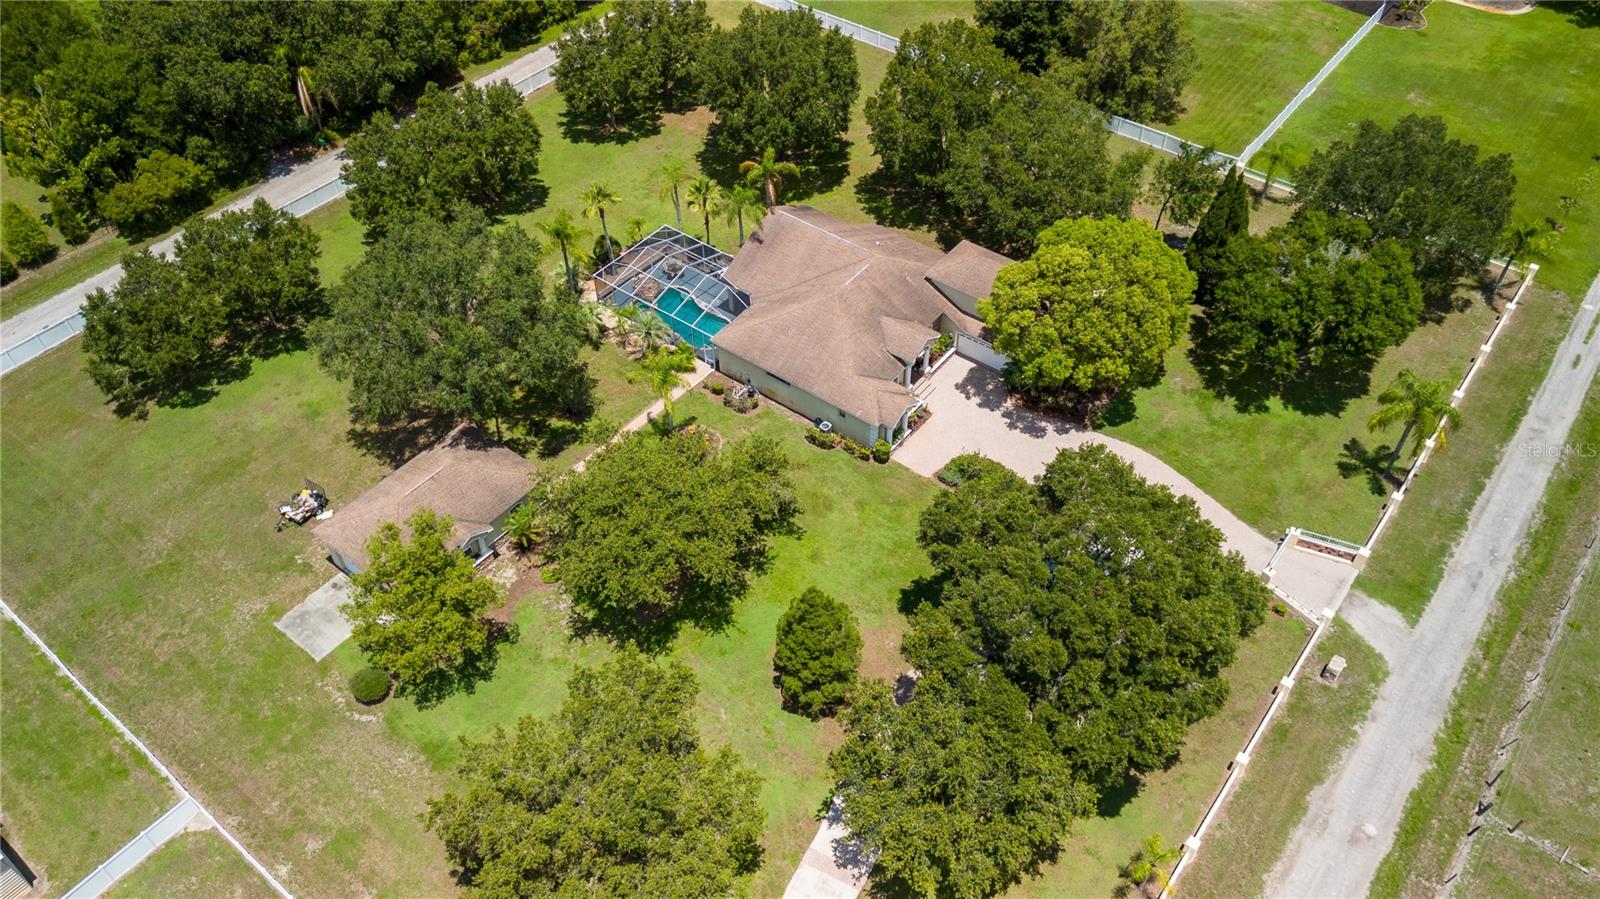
x=979 y=350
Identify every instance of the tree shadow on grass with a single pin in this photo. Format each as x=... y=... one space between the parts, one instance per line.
x=895 y=206
x=396 y=443
x=1314 y=390
x=1356 y=460
x=719 y=159
x=587 y=129
x=926 y=589
x=475 y=669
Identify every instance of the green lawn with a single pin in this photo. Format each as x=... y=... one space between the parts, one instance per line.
x=859 y=544
x=1252 y=57
x=1502 y=866
x=1290 y=761
x=895 y=17
x=195 y=865
x=1528 y=85
x=1171 y=802
x=1286 y=467
x=629 y=168
x=172 y=621
x=1466 y=749
x=1409 y=559
x=74 y=790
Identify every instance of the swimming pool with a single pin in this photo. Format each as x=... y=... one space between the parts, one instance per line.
x=695 y=325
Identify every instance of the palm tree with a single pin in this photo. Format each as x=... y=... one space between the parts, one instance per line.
x=593 y=320
x=635 y=230
x=770 y=172
x=663 y=370
x=1420 y=405
x=1148 y=867
x=565 y=232
x=1526 y=238
x=652 y=331
x=596 y=197
x=742 y=200
x=1274 y=157
x=673 y=175
x=705 y=196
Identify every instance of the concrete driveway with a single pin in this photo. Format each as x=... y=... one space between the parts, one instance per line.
x=972 y=413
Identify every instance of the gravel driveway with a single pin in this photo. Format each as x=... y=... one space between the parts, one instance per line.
x=1352 y=818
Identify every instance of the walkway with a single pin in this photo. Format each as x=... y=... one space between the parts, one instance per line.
x=186 y=815
x=285 y=184
x=1352 y=817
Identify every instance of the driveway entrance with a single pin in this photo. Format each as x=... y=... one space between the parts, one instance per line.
x=973 y=413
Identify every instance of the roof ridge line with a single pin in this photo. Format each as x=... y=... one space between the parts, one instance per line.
x=839 y=238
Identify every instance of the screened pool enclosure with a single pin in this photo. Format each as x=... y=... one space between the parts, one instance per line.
x=680 y=279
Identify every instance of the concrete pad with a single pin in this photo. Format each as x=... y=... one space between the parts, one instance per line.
x=316 y=624
x=1316 y=581
x=833 y=866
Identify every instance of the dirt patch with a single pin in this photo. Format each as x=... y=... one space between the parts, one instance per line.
x=880 y=653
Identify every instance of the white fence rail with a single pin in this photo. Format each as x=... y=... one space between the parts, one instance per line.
x=844 y=26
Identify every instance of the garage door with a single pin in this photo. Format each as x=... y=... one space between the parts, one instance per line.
x=980 y=351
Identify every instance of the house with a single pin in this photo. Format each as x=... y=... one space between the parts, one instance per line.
x=837 y=321
x=467 y=476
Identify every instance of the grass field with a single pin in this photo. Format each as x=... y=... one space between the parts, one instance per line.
x=1252 y=57
x=1284 y=466
x=568 y=162
x=1171 y=802
x=1528 y=85
x=74 y=791
x=1502 y=866
x=859 y=544
x=1409 y=561
x=1292 y=759
x=195 y=865
x=895 y=17
x=1465 y=752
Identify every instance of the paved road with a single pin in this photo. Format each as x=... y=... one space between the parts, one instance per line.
x=284 y=183
x=1352 y=818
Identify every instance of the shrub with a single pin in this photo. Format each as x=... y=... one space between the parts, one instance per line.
x=741 y=403
x=370 y=686
x=818 y=652
x=717 y=388
x=599 y=429
x=8 y=268
x=942 y=344
x=24 y=236
x=820 y=438
x=164 y=188
x=525 y=528
x=66 y=218
x=961 y=469
x=856 y=449
x=881 y=451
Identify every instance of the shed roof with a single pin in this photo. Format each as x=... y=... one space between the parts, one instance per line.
x=466 y=476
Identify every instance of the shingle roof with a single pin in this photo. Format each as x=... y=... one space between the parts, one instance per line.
x=836 y=309
x=969 y=268
x=465 y=475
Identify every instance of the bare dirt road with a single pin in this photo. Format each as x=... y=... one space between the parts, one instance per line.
x=1352 y=818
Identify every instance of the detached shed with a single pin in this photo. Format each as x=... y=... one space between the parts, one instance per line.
x=467 y=476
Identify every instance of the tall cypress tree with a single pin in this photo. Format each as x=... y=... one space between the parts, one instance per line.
x=1227 y=217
